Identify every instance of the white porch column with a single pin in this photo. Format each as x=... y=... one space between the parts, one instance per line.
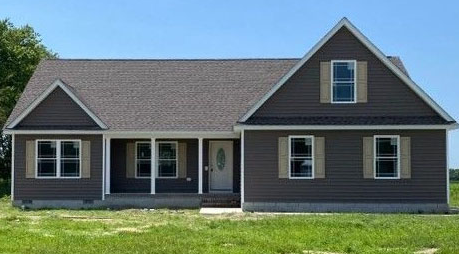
x=200 y=165
x=107 y=165
x=153 y=166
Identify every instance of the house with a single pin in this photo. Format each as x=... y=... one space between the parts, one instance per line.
x=342 y=129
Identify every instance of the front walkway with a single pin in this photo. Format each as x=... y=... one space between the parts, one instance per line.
x=219 y=210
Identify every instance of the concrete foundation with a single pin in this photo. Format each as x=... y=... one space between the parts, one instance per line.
x=346 y=207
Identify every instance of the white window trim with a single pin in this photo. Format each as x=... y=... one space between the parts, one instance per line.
x=290 y=156
x=176 y=159
x=135 y=160
x=355 y=81
x=58 y=159
x=375 y=137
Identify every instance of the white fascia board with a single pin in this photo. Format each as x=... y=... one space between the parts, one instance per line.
x=136 y=134
x=173 y=134
x=345 y=127
x=57 y=132
x=44 y=95
x=378 y=53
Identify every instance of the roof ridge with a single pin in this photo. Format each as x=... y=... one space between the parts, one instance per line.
x=170 y=59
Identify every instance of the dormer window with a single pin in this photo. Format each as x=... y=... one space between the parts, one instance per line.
x=343 y=81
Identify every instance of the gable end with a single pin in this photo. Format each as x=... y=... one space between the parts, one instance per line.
x=344 y=23
x=57 y=108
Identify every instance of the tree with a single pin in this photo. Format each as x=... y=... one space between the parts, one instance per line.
x=454 y=174
x=20 y=52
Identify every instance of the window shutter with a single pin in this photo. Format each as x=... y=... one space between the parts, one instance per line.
x=325 y=82
x=181 y=160
x=30 y=159
x=130 y=160
x=368 y=157
x=85 y=159
x=362 y=87
x=319 y=157
x=283 y=157
x=405 y=157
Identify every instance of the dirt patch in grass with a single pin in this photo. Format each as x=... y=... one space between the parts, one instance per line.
x=427 y=251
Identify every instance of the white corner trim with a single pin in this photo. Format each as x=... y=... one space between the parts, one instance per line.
x=12 y=167
x=44 y=95
x=242 y=168
x=447 y=168
x=345 y=127
x=344 y=22
x=103 y=167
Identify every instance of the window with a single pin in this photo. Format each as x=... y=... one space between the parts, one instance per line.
x=167 y=159
x=58 y=158
x=343 y=81
x=46 y=159
x=143 y=159
x=301 y=164
x=387 y=157
x=70 y=159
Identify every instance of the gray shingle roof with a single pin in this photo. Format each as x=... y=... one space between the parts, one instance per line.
x=398 y=62
x=172 y=95
x=162 y=95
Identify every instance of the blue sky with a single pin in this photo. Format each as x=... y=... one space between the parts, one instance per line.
x=424 y=34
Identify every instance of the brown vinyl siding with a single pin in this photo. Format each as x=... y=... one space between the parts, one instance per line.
x=387 y=94
x=344 y=180
x=58 y=111
x=58 y=189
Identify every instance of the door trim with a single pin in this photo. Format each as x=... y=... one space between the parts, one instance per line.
x=209 y=155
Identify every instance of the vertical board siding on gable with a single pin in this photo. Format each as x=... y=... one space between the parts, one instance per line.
x=387 y=94
x=344 y=180
x=57 y=111
x=121 y=184
x=58 y=189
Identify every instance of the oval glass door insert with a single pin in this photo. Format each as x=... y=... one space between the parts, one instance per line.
x=221 y=159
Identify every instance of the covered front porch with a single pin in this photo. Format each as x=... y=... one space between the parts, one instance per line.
x=177 y=170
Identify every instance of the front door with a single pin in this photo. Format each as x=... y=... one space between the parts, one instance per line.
x=221 y=166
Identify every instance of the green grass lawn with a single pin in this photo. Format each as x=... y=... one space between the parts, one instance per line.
x=454 y=196
x=185 y=231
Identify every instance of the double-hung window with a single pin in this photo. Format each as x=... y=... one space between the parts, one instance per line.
x=167 y=159
x=301 y=159
x=343 y=81
x=387 y=157
x=58 y=158
x=143 y=159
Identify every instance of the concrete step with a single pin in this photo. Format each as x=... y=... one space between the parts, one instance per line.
x=221 y=202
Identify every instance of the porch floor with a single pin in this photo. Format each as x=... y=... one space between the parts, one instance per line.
x=172 y=200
